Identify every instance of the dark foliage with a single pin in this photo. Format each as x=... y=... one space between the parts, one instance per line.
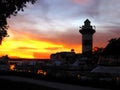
x=113 y=47
x=8 y=8
x=98 y=50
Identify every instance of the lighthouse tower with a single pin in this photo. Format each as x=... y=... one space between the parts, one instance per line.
x=87 y=32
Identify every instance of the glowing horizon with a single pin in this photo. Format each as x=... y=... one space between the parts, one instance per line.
x=51 y=26
x=29 y=48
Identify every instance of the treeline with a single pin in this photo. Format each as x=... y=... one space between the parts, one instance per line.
x=112 y=48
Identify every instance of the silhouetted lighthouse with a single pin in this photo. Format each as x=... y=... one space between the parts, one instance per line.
x=87 y=32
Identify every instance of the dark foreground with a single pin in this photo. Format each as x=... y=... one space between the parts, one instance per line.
x=12 y=85
x=7 y=84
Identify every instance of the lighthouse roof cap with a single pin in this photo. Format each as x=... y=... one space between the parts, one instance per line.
x=87 y=21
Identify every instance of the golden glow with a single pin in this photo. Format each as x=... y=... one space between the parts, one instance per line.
x=27 y=47
x=12 y=67
x=42 y=72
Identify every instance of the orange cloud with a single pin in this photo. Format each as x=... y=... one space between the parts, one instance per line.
x=41 y=55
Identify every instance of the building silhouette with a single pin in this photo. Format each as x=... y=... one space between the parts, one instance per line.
x=87 y=32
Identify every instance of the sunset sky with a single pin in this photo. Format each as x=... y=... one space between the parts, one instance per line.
x=51 y=26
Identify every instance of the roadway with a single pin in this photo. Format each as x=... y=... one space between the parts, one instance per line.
x=55 y=85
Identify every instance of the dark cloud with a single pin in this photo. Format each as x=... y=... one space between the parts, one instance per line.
x=88 y=8
x=42 y=6
x=93 y=8
x=25 y=48
x=115 y=28
x=21 y=21
x=71 y=37
x=52 y=49
x=42 y=10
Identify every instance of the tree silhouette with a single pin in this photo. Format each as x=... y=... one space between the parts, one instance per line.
x=8 y=8
x=113 y=47
x=98 y=50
